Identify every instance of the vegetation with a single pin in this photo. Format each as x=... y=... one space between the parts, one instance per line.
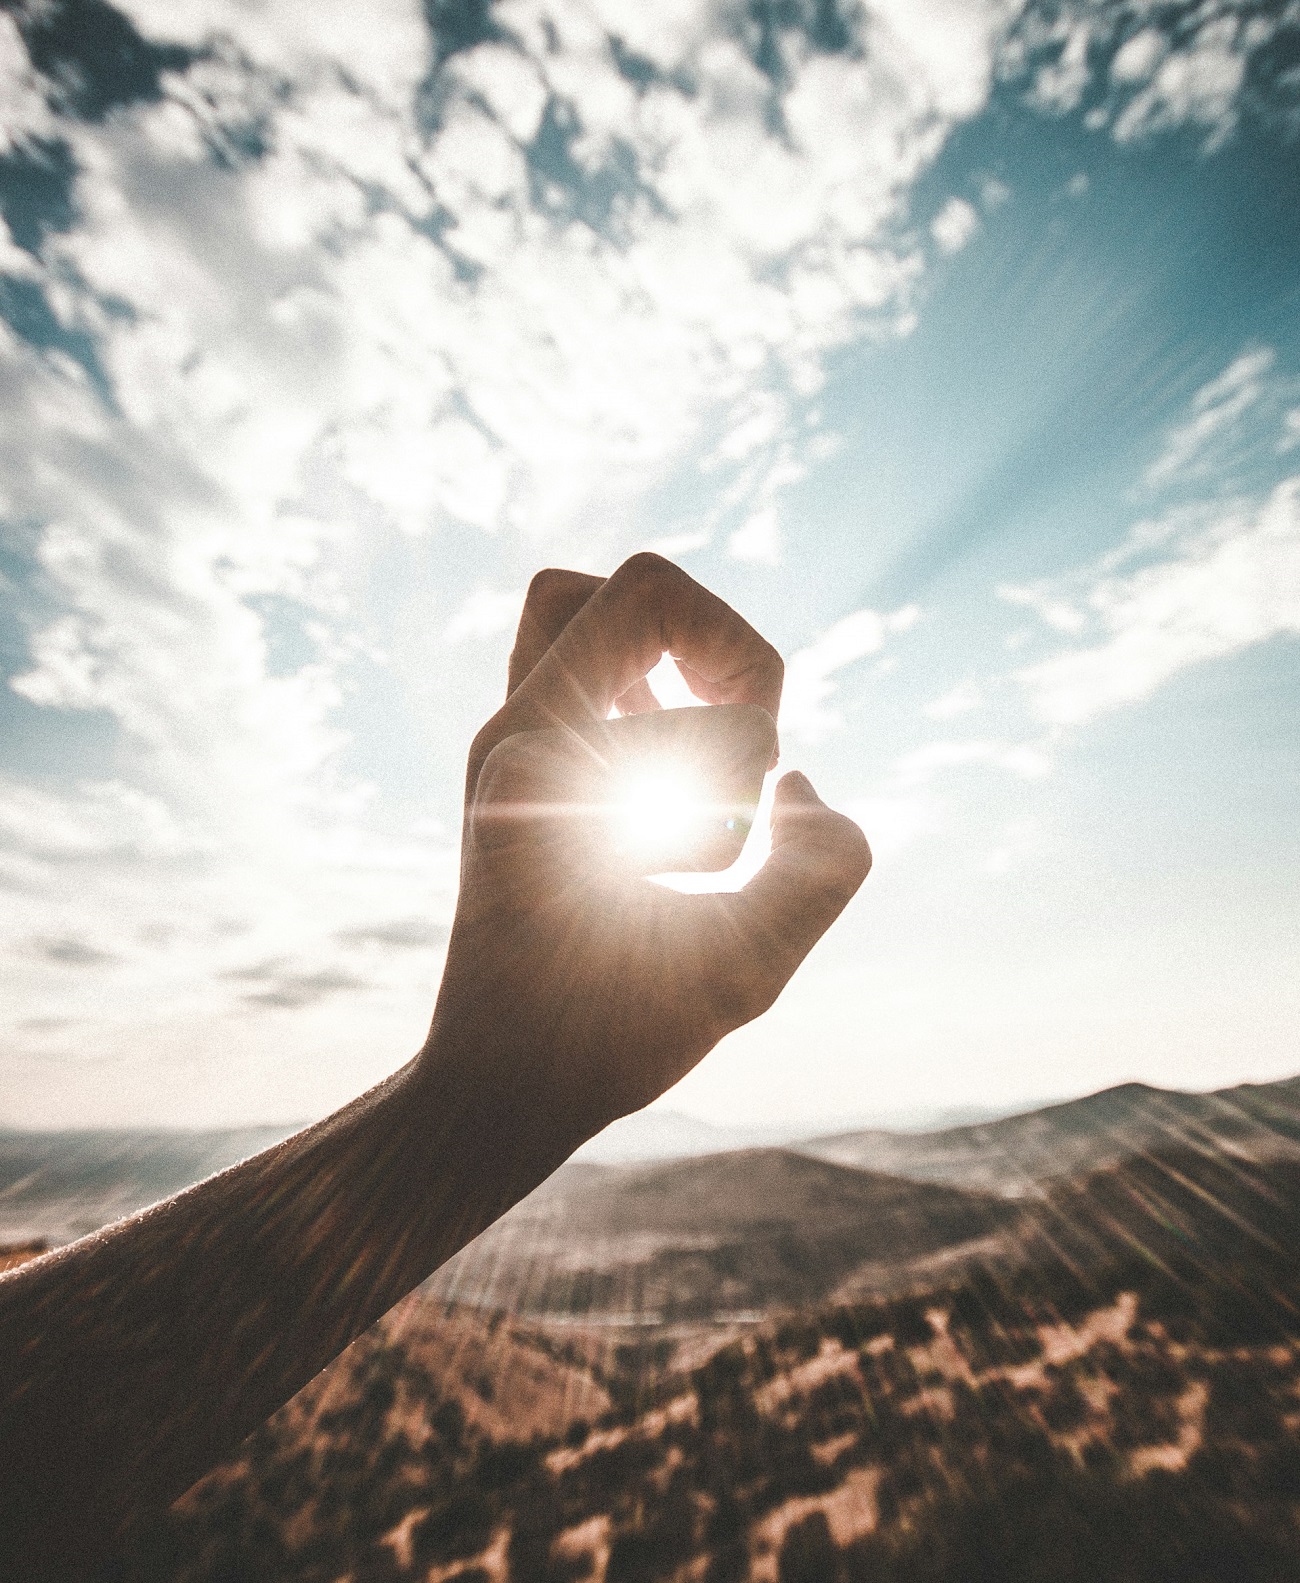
x=1141 y=1423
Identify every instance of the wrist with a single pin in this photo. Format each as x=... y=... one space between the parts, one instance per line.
x=492 y=1110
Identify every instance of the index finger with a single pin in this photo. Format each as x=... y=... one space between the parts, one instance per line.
x=554 y=597
x=646 y=608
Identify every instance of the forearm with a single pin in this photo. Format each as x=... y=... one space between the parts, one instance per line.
x=133 y=1360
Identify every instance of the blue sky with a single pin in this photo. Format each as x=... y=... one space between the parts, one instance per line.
x=957 y=345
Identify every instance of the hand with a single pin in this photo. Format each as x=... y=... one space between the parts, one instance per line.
x=134 y=1359
x=590 y=991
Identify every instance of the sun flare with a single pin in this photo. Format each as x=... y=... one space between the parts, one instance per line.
x=656 y=810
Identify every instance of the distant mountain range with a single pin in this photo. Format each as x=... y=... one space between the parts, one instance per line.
x=62 y=1185
x=1046 y=1348
x=765 y=1366
x=1013 y=1154
x=839 y=1219
x=745 y=1231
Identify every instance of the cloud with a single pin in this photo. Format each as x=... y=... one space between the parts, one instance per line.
x=1146 y=73
x=396 y=933
x=954 y=225
x=961 y=700
x=1216 y=409
x=1047 y=604
x=313 y=293
x=291 y=989
x=66 y=951
x=920 y=766
x=484 y=614
x=1224 y=588
x=809 y=672
x=758 y=539
x=893 y=821
x=907 y=806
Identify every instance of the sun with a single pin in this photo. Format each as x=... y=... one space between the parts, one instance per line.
x=656 y=810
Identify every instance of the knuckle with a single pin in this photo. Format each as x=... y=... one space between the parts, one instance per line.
x=545 y=585
x=853 y=853
x=647 y=572
x=773 y=664
x=502 y=762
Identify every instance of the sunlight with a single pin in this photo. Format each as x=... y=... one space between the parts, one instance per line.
x=656 y=811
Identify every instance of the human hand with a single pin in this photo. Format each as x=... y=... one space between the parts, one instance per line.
x=590 y=990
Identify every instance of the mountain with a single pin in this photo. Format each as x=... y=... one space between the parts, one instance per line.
x=61 y=1185
x=662 y=1134
x=1036 y=1423
x=769 y=1366
x=740 y=1232
x=1016 y=1154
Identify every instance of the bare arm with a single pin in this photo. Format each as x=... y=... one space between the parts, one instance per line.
x=132 y=1361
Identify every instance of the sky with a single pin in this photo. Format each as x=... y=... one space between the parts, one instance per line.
x=956 y=344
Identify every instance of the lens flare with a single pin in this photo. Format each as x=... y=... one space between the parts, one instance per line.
x=656 y=810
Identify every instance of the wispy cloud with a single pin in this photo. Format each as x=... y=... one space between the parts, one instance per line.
x=1216 y=409
x=282 y=987
x=810 y=673
x=400 y=934
x=1217 y=591
x=922 y=764
x=68 y=951
x=963 y=698
x=954 y=225
x=484 y=614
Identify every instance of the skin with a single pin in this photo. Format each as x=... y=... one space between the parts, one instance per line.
x=134 y=1360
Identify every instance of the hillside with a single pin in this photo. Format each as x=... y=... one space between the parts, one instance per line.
x=1044 y=1425
x=767 y=1367
x=742 y=1232
x=61 y=1185
x=1014 y=1154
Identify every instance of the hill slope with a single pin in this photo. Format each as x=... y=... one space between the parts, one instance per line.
x=1017 y=1153
x=724 y=1233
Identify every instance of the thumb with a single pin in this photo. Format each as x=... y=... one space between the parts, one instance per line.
x=819 y=859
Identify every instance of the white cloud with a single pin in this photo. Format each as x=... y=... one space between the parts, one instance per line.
x=947 y=41
x=1216 y=408
x=1047 y=604
x=920 y=766
x=675 y=544
x=1290 y=430
x=1198 y=85
x=908 y=806
x=893 y=821
x=390 y=322
x=758 y=538
x=1139 y=56
x=484 y=614
x=1190 y=74
x=809 y=672
x=1225 y=588
x=961 y=700
x=25 y=113
x=954 y=225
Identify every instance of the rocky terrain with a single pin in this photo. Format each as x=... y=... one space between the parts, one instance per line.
x=1057 y=1347
x=1138 y=1422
